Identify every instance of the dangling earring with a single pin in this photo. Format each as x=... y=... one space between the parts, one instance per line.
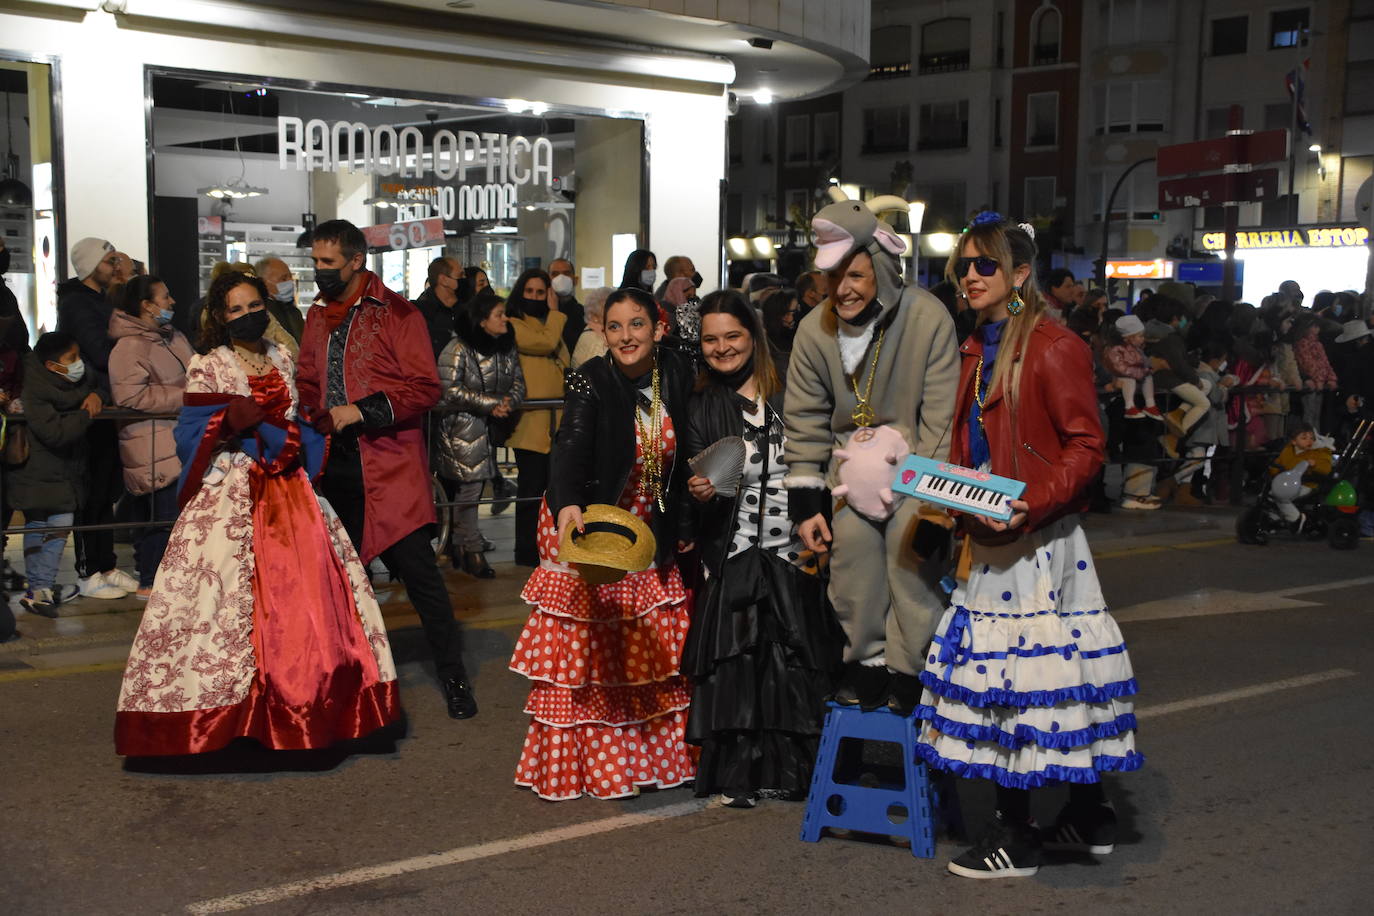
x=1016 y=306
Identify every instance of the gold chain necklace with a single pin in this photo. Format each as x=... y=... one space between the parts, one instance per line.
x=650 y=444
x=863 y=414
x=978 y=397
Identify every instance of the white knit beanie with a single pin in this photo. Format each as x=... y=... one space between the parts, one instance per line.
x=87 y=255
x=1127 y=325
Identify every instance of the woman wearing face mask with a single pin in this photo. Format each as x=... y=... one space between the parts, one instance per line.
x=641 y=271
x=261 y=621
x=483 y=386
x=533 y=311
x=1028 y=681
x=781 y=312
x=473 y=282
x=148 y=373
x=762 y=628
x=608 y=703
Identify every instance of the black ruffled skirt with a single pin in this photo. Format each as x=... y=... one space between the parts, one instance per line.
x=762 y=653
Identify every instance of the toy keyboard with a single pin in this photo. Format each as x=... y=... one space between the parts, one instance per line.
x=964 y=489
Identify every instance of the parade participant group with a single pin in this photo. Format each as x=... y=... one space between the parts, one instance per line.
x=708 y=572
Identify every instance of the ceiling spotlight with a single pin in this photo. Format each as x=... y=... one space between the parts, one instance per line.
x=764 y=97
x=386 y=202
x=1315 y=148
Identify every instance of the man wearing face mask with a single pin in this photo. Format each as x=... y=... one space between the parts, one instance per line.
x=366 y=378
x=439 y=299
x=282 y=285
x=564 y=286
x=83 y=311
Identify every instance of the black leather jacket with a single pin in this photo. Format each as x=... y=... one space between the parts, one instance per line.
x=714 y=413
x=594 y=450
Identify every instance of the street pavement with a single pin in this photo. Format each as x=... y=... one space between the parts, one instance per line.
x=1254 y=669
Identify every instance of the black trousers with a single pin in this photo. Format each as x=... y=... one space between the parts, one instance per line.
x=411 y=559
x=533 y=480
x=95 y=550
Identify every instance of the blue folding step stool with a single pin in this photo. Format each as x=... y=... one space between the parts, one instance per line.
x=907 y=810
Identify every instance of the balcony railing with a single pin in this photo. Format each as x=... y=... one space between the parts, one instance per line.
x=944 y=62
x=889 y=71
x=1042 y=55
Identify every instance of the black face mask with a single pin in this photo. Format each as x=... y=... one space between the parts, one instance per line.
x=733 y=380
x=696 y=280
x=249 y=328
x=330 y=281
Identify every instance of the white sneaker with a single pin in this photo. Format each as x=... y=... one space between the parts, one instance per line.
x=121 y=579
x=98 y=586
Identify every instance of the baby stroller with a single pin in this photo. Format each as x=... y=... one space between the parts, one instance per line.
x=1328 y=510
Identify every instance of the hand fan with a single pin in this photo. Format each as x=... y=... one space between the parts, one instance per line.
x=722 y=463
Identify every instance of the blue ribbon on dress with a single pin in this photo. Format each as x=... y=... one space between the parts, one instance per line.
x=952 y=648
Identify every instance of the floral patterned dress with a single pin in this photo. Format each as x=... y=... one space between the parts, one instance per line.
x=261 y=622
x=608 y=703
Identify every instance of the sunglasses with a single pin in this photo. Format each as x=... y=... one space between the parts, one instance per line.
x=985 y=266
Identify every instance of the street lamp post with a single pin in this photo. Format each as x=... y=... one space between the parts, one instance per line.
x=1107 y=219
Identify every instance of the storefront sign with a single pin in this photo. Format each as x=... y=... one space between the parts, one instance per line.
x=470 y=202
x=317 y=145
x=1158 y=269
x=420 y=233
x=1320 y=237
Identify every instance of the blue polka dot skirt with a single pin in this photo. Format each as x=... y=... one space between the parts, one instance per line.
x=1028 y=681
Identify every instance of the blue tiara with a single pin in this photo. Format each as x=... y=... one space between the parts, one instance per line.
x=987 y=216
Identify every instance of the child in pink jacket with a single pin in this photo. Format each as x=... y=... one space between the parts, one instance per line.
x=1128 y=362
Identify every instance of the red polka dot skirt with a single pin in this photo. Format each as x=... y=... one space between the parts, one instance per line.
x=608 y=703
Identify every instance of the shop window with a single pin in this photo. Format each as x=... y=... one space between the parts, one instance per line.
x=1045 y=37
x=30 y=210
x=1288 y=28
x=887 y=129
x=1230 y=35
x=944 y=46
x=1355 y=171
x=489 y=186
x=1039 y=197
x=889 y=52
x=1042 y=119
x=943 y=125
x=946 y=206
x=825 y=142
x=797 y=140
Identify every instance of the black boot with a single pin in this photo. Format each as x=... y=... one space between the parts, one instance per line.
x=864 y=686
x=903 y=694
x=475 y=564
x=501 y=490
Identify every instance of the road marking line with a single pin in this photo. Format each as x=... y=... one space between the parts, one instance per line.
x=1160 y=548
x=441 y=859
x=29 y=674
x=1245 y=693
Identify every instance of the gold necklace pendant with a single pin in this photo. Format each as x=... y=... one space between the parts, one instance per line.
x=863 y=415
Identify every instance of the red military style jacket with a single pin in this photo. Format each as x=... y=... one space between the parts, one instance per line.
x=1053 y=439
x=388 y=359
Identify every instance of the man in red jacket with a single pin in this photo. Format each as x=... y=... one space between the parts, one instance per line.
x=366 y=379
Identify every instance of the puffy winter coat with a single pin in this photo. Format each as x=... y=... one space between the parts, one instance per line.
x=476 y=371
x=52 y=480
x=147 y=373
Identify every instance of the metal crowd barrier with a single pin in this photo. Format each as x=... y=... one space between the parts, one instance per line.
x=1239 y=451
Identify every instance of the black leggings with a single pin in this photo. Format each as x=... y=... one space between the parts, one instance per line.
x=1014 y=804
x=533 y=480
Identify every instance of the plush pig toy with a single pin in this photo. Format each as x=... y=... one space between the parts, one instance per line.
x=866 y=468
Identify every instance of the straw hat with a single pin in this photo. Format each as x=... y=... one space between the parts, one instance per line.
x=1353 y=330
x=613 y=543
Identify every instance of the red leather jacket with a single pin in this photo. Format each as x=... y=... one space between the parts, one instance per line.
x=1053 y=440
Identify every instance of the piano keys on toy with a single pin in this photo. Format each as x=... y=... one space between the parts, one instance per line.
x=956 y=487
